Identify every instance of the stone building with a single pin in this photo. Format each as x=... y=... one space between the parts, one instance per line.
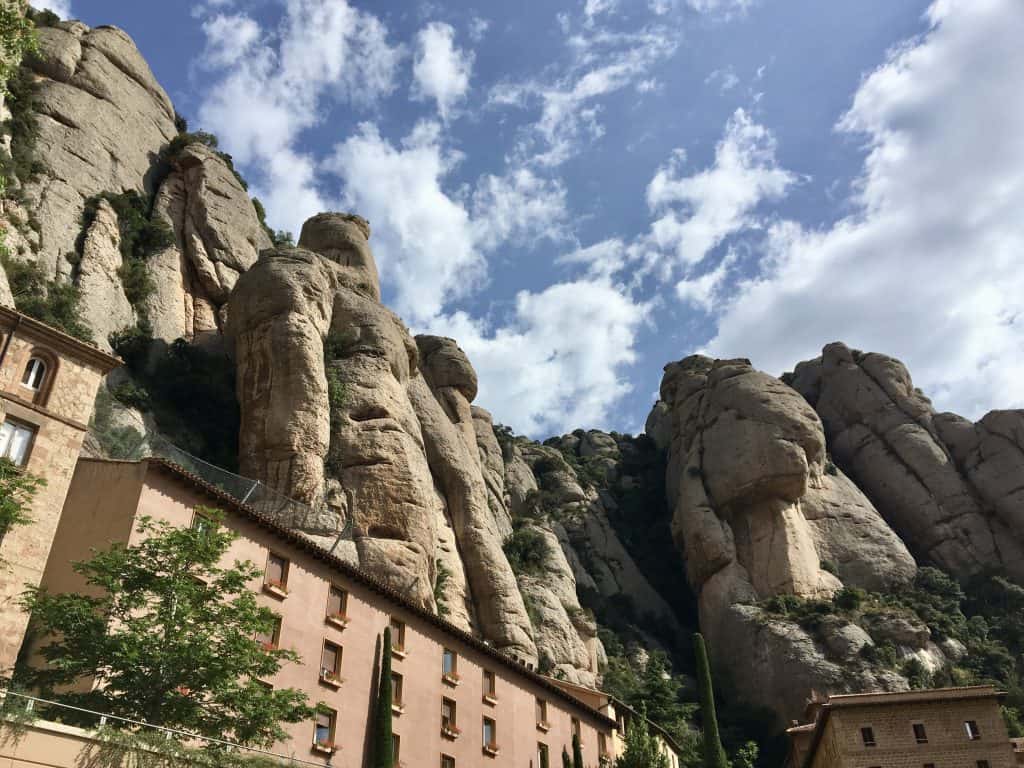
x=941 y=728
x=458 y=701
x=48 y=382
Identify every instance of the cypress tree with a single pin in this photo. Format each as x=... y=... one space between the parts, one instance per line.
x=544 y=759
x=383 y=748
x=566 y=762
x=714 y=754
x=577 y=752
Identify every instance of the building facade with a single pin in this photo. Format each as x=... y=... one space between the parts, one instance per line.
x=48 y=382
x=941 y=728
x=457 y=701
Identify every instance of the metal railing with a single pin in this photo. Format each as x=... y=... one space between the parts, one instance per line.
x=32 y=706
x=253 y=493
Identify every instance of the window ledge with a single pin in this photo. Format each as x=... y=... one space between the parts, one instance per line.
x=490 y=700
x=544 y=727
x=332 y=681
x=491 y=750
x=277 y=590
x=398 y=709
x=399 y=653
x=450 y=733
x=453 y=680
x=340 y=621
x=324 y=748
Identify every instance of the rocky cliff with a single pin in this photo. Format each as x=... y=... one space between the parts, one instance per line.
x=797 y=520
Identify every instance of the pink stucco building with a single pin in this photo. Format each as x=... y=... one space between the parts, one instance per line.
x=458 y=702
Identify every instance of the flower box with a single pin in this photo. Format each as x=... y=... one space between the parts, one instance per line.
x=544 y=726
x=325 y=747
x=268 y=646
x=328 y=677
x=491 y=750
x=450 y=731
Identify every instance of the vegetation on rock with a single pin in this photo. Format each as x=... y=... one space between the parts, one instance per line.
x=152 y=640
x=53 y=302
x=118 y=442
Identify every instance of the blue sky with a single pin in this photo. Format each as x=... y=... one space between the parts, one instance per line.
x=580 y=191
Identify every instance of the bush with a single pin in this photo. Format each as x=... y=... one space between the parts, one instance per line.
x=124 y=442
x=132 y=395
x=526 y=551
x=52 y=302
x=282 y=239
x=43 y=18
x=174 y=147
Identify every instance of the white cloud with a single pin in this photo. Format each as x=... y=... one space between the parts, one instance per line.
x=478 y=27
x=440 y=70
x=724 y=8
x=423 y=239
x=725 y=78
x=325 y=51
x=594 y=8
x=697 y=212
x=520 y=207
x=61 y=7
x=558 y=364
x=602 y=259
x=603 y=63
x=702 y=291
x=928 y=268
x=228 y=39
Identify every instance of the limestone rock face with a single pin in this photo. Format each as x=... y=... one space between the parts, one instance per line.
x=335 y=411
x=105 y=308
x=950 y=489
x=217 y=237
x=102 y=120
x=758 y=508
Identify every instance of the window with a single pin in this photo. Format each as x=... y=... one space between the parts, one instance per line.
x=983 y=764
x=928 y=765
x=448 y=724
x=602 y=745
x=543 y=761
x=867 y=735
x=973 y=732
x=397 y=635
x=576 y=729
x=323 y=735
x=541 y=711
x=447 y=761
x=396 y=689
x=276 y=575
x=490 y=735
x=396 y=748
x=330 y=662
x=272 y=637
x=449 y=664
x=35 y=374
x=337 y=603
x=15 y=441
x=920 y=735
x=489 y=684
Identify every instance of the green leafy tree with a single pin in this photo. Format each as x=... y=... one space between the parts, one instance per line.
x=577 y=752
x=383 y=747
x=169 y=639
x=714 y=754
x=641 y=746
x=17 y=489
x=17 y=37
x=746 y=756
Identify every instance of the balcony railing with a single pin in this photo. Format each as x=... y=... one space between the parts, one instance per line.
x=34 y=710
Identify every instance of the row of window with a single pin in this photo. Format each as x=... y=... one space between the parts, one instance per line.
x=16 y=436
x=867 y=734
x=978 y=764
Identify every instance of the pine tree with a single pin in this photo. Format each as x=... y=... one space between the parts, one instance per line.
x=577 y=752
x=714 y=754
x=383 y=747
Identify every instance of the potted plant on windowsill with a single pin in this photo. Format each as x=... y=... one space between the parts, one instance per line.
x=325 y=747
x=331 y=678
x=275 y=588
x=268 y=645
x=450 y=731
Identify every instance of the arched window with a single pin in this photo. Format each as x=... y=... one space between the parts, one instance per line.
x=35 y=374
